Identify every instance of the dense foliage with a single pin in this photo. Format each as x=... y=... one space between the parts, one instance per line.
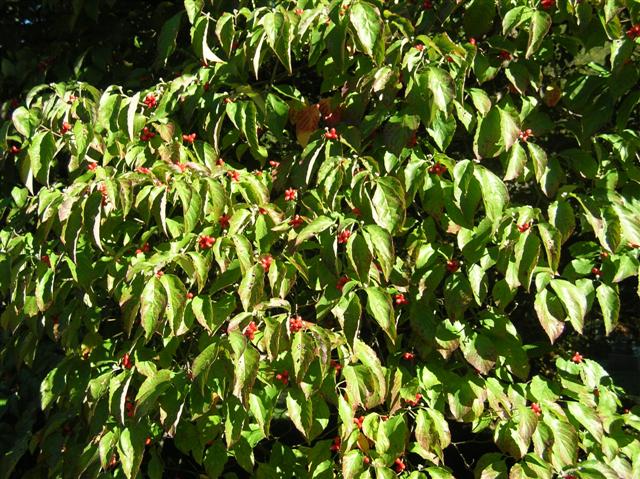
x=316 y=238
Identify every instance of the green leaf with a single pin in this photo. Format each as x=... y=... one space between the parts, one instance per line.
x=278 y=30
x=588 y=418
x=494 y=193
x=388 y=204
x=381 y=242
x=205 y=359
x=300 y=411
x=176 y=296
x=41 y=152
x=167 y=39
x=515 y=17
x=193 y=8
x=131 y=449
x=538 y=29
x=251 y=289
x=441 y=87
x=573 y=300
x=379 y=306
x=497 y=132
x=366 y=22
x=151 y=389
x=609 y=300
x=551 y=324
x=317 y=226
x=246 y=360
x=153 y=304
x=131 y=115
x=360 y=256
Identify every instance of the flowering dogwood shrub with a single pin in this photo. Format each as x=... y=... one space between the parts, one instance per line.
x=319 y=239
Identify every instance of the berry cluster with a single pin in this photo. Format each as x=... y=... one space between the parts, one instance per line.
x=438 y=169
x=295 y=324
x=524 y=135
x=331 y=134
x=146 y=134
x=335 y=447
x=224 y=221
x=283 y=377
x=296 y=221
x=145 y=249
x=126 y=361
x=524 y=226
x=453 y=265
x=66 y=127
x=341 y=282
x=250 y=330
x=400 y=299
x=634 y=31
x=290 y=194
x=189 y=138
x=548 y=4
x=358 y=421
x=143 y=170
x=206 y=242
x=150 y=100
x=344 y=236
x=265 y=262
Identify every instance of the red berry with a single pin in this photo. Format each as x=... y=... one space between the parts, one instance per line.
x=596 y=272
x=290 y=194
x=224 y=221
x=399 y=465
x=45 y=259
x=344 y=236
x=504 y=55
x=150 y=100
x=437 y=169
x=296 y=221
x=14 y=150
x=453 y=265
x=250 y=331
x=147 y=441
x=548 y=4
x=143 y=170
x=358 y=421
x=356 y=211
x=419 y=47
x=524 y=227
x=341 y=282
x=400 y=300
x=92 y=166
x=206 y=242
x=577 y=358
x=331 y=134
x=266 y=261
x=335 y=447
x=427 y=4
x=298 y=11
x=126 y=361
x=274 y=164
x=408 y=356
x=535 y=407
x=189 y=295
x=160 y=274
x=189 y=138
x=66 y=126
x=234 y=175
x=295 y=324
x=366 y=460
x=473 y=41
x=336 y=365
